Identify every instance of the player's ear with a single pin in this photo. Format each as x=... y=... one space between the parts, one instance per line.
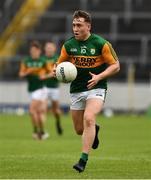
x=89 y=26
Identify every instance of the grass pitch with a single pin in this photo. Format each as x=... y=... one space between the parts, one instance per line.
x=125 y=150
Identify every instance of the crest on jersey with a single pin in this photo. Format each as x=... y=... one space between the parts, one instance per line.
x=92 y=50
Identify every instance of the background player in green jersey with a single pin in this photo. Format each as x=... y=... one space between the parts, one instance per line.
x=95 y=60
x=33 y=67
x=52 y=83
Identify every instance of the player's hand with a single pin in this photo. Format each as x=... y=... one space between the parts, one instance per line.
x=42 y=77
x=54 y=70
x=22 y=74
x=46 y=76
x=92 y=82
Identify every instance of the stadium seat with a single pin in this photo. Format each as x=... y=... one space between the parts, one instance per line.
x=48 y=24
x=106 y=5
x=149 y=50
x=135 y=25
x=65 y=5
x=145 y=72
x=141 y=6
x=128 y=47
x=101 y=25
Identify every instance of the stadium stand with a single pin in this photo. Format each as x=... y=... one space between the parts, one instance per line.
x=65 y=5
x=138 y=25
x=8 y=10
x=141 y=6
x=59 y=27
x=106 y=6
x=149 y=47
x=126 y=23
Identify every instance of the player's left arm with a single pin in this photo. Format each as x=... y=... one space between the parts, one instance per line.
x=111 y=59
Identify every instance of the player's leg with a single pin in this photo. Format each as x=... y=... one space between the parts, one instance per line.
x=34 y=118
x=53 y=96
x=77 y=117
x=93 y=107
x=41 y=98
x=42 y=111
x=94 y=103
x=57 y=112
x=77 y=111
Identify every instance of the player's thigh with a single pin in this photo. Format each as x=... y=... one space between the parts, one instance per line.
x=95 y=101
x=77 y=117
x=55 y=106
x=93 y=107
x=33 y=107
x=42 y=104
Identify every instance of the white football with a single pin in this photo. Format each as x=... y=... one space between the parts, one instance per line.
x=66 y=72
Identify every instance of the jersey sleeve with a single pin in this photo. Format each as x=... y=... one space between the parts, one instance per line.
x=63 y=56
x=108 y=53
x=23 y=67
x=49 y=66
x=42 y=72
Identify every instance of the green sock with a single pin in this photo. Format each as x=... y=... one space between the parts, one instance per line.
x=41 y=130
x=84 y=156
x=35 y=129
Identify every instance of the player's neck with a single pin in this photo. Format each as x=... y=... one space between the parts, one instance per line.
x=87 y=36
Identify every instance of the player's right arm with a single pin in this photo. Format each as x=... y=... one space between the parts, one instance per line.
x=62 y=58
x=24 y=70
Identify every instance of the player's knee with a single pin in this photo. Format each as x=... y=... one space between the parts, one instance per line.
x=31 y=111
x=89 y=120
x=56 y=111
x=78 y=129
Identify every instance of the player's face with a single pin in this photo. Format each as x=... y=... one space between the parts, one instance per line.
x=35 y=52
x=50 y=49
x=81 y=29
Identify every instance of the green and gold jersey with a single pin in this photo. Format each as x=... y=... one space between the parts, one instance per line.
x=50 y=61
x=33 y=79
x=92 y=55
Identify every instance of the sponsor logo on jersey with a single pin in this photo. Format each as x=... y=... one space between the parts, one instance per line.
x=85 y=61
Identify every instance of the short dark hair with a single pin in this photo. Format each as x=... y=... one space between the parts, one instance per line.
x=36 y=44
x=83 y=14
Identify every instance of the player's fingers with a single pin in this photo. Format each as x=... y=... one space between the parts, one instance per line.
x=91 y=73
x=90 y=85
x=91 y=80
x=54 y=73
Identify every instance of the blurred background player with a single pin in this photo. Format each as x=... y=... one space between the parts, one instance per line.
x=52 y=83
x=33 y=67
